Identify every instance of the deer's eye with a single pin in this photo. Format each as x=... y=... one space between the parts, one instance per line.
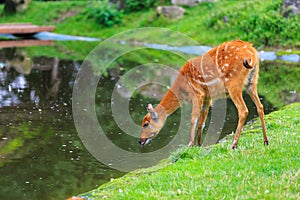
x=145 y=125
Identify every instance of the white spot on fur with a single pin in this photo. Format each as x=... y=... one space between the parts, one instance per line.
x=224 y=66
x=236 y=57
x=226 y=79
x=232 y=47
x=245 y=46
x=226 y=57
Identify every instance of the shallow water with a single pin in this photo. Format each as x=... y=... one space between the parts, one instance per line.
x=197 y=50
x=53 y=36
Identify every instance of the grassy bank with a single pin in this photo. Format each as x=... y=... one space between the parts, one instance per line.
x=257 y=21
x=217 y=172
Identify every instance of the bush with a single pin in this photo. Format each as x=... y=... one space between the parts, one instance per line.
x=136 y=5
x=104 y=13
x=267 y=29
x=270 y=29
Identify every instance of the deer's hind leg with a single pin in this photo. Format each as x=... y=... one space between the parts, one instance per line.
x=252 y=90
x=237 y=98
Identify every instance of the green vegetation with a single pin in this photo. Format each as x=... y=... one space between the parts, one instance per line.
x=104 y=13
x=265 y=27
x=133 y=6
x=253 y=171
x=255 y=21
x=72 y=50
x=278 y=82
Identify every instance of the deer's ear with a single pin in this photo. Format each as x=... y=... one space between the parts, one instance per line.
x=152 y=113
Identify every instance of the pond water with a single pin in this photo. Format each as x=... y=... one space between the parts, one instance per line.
x=41 y=154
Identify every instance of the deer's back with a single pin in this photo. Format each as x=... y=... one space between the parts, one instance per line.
x=221 y=67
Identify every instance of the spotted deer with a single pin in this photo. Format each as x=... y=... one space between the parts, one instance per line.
x=226 y=68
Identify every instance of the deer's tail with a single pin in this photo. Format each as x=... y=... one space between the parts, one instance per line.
x=247 y=65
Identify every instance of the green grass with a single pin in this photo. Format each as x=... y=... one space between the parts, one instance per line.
x=204 y=23
x=71 y=50
x=253 y=171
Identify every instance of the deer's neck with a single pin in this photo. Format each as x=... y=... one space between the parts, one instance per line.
x=170 y=101
x=173 y=98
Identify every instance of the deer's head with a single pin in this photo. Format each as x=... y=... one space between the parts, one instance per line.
x=151 y=124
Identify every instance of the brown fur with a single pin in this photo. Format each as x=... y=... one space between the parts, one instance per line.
x=225 y=69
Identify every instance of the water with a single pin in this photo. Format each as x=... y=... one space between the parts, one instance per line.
x=62 y=37
x=54 y=36
x=197 y=50
x=41 y=154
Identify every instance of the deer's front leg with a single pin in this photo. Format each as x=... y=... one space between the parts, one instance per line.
x=194 y=123
x=202 y=119
x=197 y=104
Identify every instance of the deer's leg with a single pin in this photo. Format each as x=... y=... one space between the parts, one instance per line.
x=252 y=90
x=197 y=105
x=237 y=98
x=202 y=119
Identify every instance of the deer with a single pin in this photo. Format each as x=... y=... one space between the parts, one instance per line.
x=228 y=68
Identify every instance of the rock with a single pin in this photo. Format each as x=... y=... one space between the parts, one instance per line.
x=225 y=19
x=120 y=4
x=189 y=2
x=290 y=7
x=14 y=6
x=173 y=12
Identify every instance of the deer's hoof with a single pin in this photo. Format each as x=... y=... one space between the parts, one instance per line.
x=266 y=143
x=234 y=144
x=191 y=144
